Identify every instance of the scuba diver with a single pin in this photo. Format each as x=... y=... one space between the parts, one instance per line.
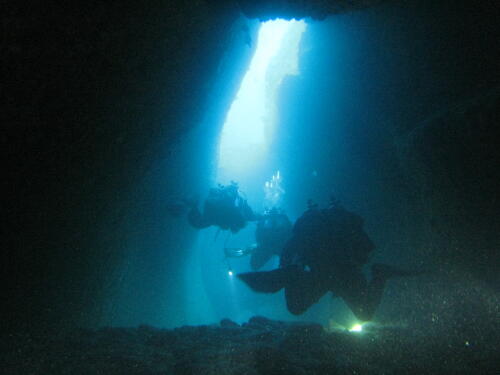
x=274 y=228
x=326 y=253
x=224 y=208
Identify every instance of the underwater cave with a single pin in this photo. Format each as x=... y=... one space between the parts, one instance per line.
x=121 y=121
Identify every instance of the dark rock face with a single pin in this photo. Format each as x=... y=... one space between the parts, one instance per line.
x=228 y=323
x=93 y=92
x=278 y=348
x=452 y=161
x=319 y=10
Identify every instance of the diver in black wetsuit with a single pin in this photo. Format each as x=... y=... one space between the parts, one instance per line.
x=326 y=253
x=274 y=229
x=224 y=208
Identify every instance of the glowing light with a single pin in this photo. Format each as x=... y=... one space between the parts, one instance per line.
x=230 y=273
x=247 y=131
x=356 y=328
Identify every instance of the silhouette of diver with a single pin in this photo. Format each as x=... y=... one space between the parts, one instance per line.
x=274 y=228
x=326 y=253
x=224 y=208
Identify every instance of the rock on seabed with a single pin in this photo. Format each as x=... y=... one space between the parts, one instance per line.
x=260 y=346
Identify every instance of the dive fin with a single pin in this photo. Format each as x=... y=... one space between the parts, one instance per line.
x=266 y=281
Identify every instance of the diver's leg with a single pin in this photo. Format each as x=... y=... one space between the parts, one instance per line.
x=361 y=297
x=303 y=291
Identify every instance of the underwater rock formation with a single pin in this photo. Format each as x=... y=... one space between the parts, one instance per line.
x=319 y=10
x=452 y=162
x=261 y=346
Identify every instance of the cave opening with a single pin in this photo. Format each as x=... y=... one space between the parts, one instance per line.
x=249 y=126
x=243 y=155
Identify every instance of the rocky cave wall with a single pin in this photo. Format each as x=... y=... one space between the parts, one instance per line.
x=452 y=162
x=95 y=93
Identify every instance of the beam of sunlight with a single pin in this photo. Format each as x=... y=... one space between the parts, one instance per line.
x=248 y=129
